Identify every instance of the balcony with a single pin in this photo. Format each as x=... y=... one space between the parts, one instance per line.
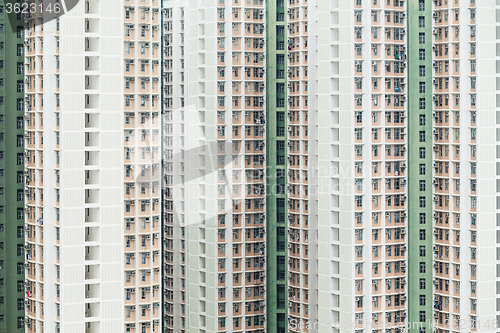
x=91 y=44
x=92 y=196
x=92 y=158
x=91 y=272
x=91 y=101
x=92 y=82
x=91 y=121
x=92 y=215
x=92 y=310
x=91 y=253
x=92 y=26
x=91 y=234
x=92 y=139
x=91 y=177
x=91 y=291
x=92 y=63
x=92 y=327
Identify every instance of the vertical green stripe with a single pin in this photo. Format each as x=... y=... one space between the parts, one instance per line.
x=277 y=293
x=10 y=167
x=414 y=161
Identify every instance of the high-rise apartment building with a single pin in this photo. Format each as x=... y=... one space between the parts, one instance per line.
x=93 y=168
x=326 y=166
x=214 y=140
x=174 y=166
x=276 y=205
x=379 y=206
x=11 y=173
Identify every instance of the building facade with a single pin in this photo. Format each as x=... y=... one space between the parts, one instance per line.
x=93 y=168
x=215 y=164
x=373 y=163
x=11 y=172
x=254 y=166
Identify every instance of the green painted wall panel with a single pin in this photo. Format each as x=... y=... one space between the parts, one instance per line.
x=10 y=239
x=415 y=112
x=276 y=172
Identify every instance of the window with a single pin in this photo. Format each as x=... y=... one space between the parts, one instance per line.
x=422 y=234
x=421 y=38
x=359 y=201
x=421 y=136
x=422 y=202
x=422 y=120
x=421 y=70
x=359 y=134
x=421 y=152
x=359 y=150
x=280 y=116
x=422 y=300
x=421 y=5
x=421 y=169
x=422 y=253
x=421 y=21
x=358 y=15
x=422 y=185
x=421 y=103
x=20 y=232
x=421 y=54
x=421 y=87
x=359 y=67
x=422 y=218
x=422 y=267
